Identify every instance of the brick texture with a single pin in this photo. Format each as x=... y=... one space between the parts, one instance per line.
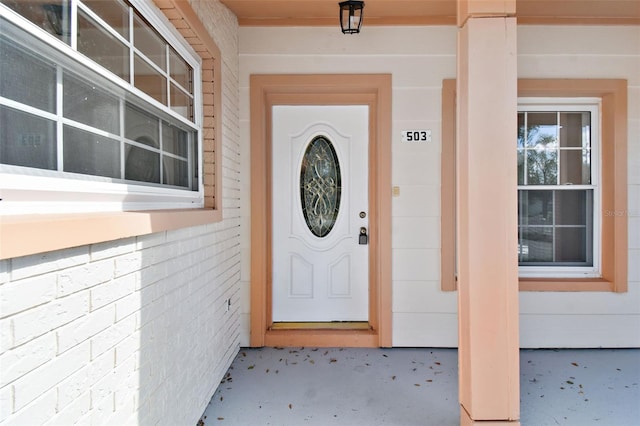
x=133 y=331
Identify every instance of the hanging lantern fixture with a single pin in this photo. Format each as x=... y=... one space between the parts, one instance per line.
x=351 y=16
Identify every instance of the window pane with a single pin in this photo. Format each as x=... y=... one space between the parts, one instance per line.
x=181 y=103
x=95 y=42
x=90 y=105
x=536 y=244
x=180 y=71
x=571 y=245
x=150 y=81
x=575 y=167
x=521 y=131
x=535 y=207
x=141 y=127
x=176 y=172
x=542 y=129
x=29 y=141
x=113 y=12
x=141 y=164
x=575 y=129
x=90 y=154
x=147 y=40
x=54 y=16
x=571 y=207
x=175 y=140
x=520 y=167
x=26 y=78
x=542 y=167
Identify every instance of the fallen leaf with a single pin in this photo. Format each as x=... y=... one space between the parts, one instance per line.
x=570 y=382
x=267 y=370
x=332 y=360
x=429 y=380
x=290 y=406
x=436 y=363
x=393 y=377
x=575 y=364
x=385 y=355
x=244 y=354
x=416 y=384
x=220 y=418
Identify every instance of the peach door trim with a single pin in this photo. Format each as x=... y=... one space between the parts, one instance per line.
x=339 y=89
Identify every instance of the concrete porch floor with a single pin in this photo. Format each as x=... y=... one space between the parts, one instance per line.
x=402 y=386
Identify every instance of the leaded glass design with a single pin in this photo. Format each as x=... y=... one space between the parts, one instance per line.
x=320 y=186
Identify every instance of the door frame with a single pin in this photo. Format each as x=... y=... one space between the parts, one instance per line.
x=373 y=90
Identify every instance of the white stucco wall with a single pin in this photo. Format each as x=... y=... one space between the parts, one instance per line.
x=419 y=58
x=133 y=331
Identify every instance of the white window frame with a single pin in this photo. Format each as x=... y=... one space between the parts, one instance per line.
x=572 y=104
x=25 y=190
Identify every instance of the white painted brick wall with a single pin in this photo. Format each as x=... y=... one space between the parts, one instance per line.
x=133 y=331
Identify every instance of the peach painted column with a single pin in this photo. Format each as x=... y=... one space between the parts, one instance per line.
x=487 y=213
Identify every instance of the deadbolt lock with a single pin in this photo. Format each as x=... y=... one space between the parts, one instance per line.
x=363 y=238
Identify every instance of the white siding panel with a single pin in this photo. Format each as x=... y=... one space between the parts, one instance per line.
x=579 y=331
x=417 y=201
x=423 y=296
x=417 y=168
x=586 y=41
x=634 y=151
x=414 y=103
x=398 y=41
x=416 y=233
x=425 y=329
x=416 y=265
x=574 y=66
x=580 y=303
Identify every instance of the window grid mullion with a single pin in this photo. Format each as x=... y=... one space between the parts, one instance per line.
x=131 y=49
x=558 y=150
x=59 y=119
x=74 y=24
x=168 y=73
x=161 y=145
x=525 y=179
x=122 y=107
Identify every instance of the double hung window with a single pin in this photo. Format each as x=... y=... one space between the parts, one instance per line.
x=558 y=187
x=100 y=109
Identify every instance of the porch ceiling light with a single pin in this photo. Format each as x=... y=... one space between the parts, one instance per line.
x=351 y=16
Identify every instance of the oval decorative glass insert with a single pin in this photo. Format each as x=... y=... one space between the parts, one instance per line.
x=320 y=186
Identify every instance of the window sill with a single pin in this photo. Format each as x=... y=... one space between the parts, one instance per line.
x=31 y=234
x=566 y=284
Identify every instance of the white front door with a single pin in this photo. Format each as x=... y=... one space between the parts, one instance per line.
x=320 y=202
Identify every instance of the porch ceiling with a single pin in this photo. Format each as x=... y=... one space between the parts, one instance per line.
x=430 y=12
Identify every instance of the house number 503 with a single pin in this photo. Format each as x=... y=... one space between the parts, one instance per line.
x=416 y=136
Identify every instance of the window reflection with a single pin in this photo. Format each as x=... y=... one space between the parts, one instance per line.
x=98 y=44
x=53 y=16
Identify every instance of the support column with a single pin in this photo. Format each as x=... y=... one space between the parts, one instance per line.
x=487 y=213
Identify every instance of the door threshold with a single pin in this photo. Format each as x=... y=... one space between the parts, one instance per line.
x=333 y=325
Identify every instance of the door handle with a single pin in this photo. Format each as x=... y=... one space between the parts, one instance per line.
x=363 y=239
